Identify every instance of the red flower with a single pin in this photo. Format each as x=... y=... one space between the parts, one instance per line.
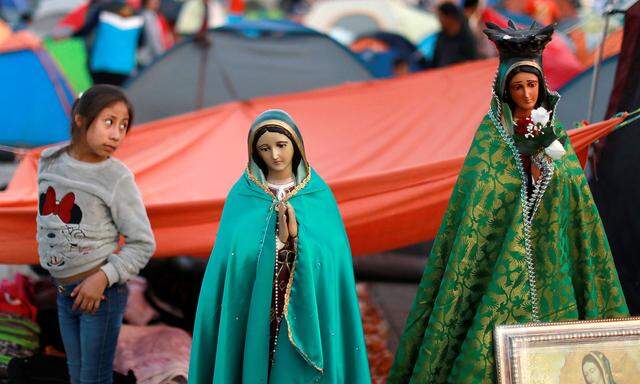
x=522 y=124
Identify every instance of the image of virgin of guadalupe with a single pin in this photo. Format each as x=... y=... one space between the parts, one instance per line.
x=596 y=369
x=278 y=301
x=521 y=240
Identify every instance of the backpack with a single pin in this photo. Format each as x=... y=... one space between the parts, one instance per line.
x=115 y=43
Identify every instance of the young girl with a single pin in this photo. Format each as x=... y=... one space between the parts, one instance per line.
x=278 y=301
x=87 y=201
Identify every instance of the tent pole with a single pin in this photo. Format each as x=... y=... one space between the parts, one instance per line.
x=596 y=66
x=206 y=42
x=202 y=38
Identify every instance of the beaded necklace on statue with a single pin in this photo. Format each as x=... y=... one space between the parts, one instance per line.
x=280 y=191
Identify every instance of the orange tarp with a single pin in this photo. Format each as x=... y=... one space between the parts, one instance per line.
x=391 y=151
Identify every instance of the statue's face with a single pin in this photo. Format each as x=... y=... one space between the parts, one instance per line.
x=591 y=373
x=523 y=89
x=276 y=150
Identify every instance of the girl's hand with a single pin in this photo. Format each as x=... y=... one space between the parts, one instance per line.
x=293 y=223
x=89 y=293
x=283 y=227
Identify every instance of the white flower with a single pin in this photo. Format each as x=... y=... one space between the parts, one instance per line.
x=506 y=37
x=555 y=150
x=540 y=116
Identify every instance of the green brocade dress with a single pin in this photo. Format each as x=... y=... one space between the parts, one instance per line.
x=320 y=339
x=477 y=274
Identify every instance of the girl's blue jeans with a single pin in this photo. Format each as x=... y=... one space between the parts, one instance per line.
x=90 y=340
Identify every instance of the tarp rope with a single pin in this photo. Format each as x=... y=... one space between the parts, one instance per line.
x=627 y=121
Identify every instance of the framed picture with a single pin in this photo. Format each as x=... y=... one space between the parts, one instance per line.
x=580 y=352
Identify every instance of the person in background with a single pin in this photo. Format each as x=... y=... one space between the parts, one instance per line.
x=153 y=45
x=112 y=33
x=473 y=11
x=455 y=43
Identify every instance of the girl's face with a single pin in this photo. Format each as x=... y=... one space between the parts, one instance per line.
x=523 y=89
x=276 y=150
x=591 y=373
x=106 y=133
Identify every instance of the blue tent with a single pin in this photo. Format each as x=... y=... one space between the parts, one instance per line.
x=35 y=100
x=399 y=50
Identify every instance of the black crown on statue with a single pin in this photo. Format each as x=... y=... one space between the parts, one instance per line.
x=513 y=42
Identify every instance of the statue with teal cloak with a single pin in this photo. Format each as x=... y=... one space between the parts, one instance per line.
x=278 y=301
x=521 y=240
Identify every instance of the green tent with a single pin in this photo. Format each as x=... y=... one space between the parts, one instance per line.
x=71 y=57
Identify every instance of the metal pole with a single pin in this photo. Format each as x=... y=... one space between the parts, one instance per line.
x=596 y=66
x=205 y=44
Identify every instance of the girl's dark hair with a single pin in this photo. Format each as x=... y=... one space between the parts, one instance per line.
x=297 y=155
x=89 y=106
x=542 y=88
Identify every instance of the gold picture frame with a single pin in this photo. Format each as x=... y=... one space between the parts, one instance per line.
x=577 y=352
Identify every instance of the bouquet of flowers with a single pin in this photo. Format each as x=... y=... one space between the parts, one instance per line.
x=535 y=133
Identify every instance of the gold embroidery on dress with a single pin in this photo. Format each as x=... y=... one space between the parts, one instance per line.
x=286 y=313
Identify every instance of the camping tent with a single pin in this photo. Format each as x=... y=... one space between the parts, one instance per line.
x=381 y=51
x=71 y=57
x=390 y=150
x=244 y=60
x=359 y=17
x=574 y=106
x=35 y=100
x=587 y=49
